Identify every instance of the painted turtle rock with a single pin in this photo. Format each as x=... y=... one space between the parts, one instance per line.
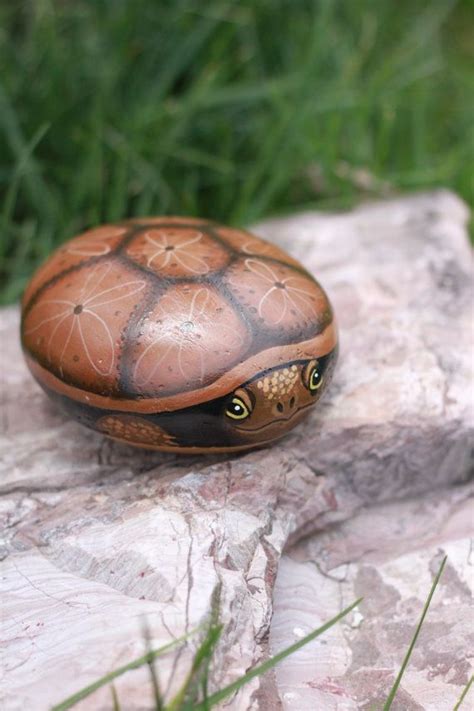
x=179 y=334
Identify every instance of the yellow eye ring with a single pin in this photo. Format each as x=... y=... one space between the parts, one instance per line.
x=312 y=377
x=315 y=379
x=237 y=409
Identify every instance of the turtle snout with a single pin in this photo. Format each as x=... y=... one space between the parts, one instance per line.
x=286 y=407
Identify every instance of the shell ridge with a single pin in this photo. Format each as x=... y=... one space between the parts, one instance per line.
x=129 y=334
x=213 y=232
x=258 y=255
x=274 y=260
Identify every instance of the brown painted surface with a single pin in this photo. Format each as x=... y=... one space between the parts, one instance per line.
x=177 y=252
x=75 y=328
x=157 y=314
x=320 y=345
x=189 y=335
x=95 y=243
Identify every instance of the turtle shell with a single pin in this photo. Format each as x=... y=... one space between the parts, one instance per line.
x=164 y=316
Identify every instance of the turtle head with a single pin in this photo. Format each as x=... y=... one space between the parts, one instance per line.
x=277 y=399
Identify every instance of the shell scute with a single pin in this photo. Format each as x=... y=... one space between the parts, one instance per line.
x=171 y=252
x=191 y=336
x=278 y=298
x=76 y=324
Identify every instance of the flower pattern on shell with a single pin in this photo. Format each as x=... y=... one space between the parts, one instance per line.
x=191 y=334
x=163 y=248
x=278 y=295
x=211 y=301
x=180 y=253
x=81 y=323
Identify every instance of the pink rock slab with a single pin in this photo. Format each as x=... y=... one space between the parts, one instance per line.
x=97 y=536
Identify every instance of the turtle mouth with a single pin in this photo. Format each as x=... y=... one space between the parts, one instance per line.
x=275 y=421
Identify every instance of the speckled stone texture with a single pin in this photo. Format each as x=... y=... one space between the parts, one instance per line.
x=388 y=555
x=97 y=536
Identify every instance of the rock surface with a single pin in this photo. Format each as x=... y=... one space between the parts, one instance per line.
x=388 y=555
x=97 y=536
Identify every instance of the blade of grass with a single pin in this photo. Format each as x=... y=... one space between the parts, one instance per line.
x=184 y=53
x=249 y=93
x=153 y=672
x=272 y=166
x=37 y=187
x=199 y=682
x=107 y=678
x=464 y=693
x=22 y=165
x=203 y=683
x=396 y=684
x=203 y=654
x=270 y=663
x=200 y=687
x=115 y=701
x=221 y=110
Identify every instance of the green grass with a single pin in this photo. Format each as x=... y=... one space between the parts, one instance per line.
x=227 y=109
x=464 y=693
x=393 y=691
x=193 y=693
x=147 y=658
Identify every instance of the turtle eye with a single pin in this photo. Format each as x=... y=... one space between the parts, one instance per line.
x=312 y=376
x=241 y=404
x=237 y=409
